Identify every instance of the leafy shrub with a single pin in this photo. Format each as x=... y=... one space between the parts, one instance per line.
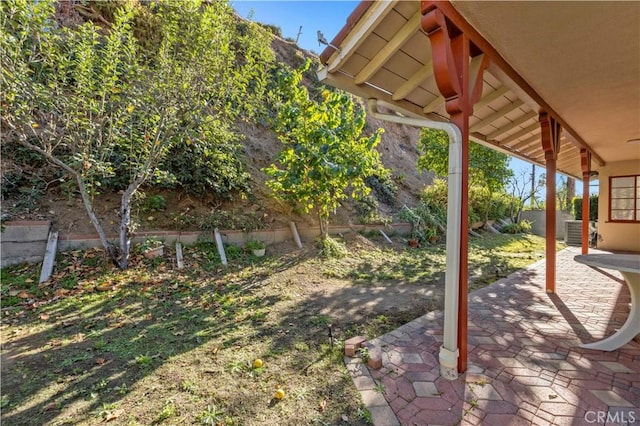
x=426 y=220
x=593 y=208
x=154 y=203
x=524 y=226
x=367 y=210
x=384 y=188
x=273 y=29
x=331 y=248
x=209 y=166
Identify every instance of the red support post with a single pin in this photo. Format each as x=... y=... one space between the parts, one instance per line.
x=585 y=159
x=451 y=51
x=550 y=135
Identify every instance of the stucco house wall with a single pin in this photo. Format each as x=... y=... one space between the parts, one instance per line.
x=616 y=235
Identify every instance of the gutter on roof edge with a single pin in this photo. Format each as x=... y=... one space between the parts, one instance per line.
x=352 y=20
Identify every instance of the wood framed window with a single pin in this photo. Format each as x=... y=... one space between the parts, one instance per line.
x=624 y=198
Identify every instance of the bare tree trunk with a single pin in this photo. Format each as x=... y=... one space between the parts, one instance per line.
x=571 y=192
x=125 y=221
x=111 y=251
x=324 y=226
x=533 y=186
x=124 y=234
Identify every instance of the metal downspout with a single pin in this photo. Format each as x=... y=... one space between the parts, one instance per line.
x=449 y=350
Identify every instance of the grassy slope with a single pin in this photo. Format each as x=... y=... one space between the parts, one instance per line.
x=174 y=347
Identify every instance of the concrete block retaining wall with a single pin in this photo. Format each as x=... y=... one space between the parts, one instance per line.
x=23 y=241
x=26 y=241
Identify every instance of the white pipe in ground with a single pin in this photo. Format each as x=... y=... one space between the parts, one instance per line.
x=449 y=350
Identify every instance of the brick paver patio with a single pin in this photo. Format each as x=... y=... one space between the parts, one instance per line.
x=525 y=363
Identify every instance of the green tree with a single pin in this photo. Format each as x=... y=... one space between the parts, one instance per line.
x=92 y=103
x=325 y=159
x=488 y=168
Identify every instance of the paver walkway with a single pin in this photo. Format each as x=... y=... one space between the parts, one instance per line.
x=525 y=363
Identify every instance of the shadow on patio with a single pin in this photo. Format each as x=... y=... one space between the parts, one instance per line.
x=525 y=363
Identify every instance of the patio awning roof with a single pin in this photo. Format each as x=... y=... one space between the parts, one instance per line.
x=579 y=61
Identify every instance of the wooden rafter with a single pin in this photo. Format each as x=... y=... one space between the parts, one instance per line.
x=365 y=26
x=407 y=87
x=433 y=105
x=519 y=134
x=497 y=115
x=518 y=147
x=391 y=47
x=490 y=97
x=515 y=123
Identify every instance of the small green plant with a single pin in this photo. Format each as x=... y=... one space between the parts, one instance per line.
x=154 y=203
x=254 y=245
x=364 y=354
x=380 y=388
x=150 y=243
x=188 y=386
x=122 y=389
x=143 y=360
x=212 y=416
x=320 y=320
x=168 y=411
x=365 y=415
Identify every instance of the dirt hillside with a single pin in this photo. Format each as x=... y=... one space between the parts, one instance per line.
x=62 y=205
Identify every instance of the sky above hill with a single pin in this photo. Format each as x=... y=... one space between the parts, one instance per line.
x=328 y=17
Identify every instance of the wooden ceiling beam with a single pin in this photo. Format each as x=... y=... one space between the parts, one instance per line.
x=515 y=123
x=526 y=142
x=389 y=49
x=433 y=105
x=521 y=133
x=496 y=115
x=407 y=87
x=490 y=97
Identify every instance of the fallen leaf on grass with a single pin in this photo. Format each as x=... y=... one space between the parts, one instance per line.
x=24 y=295
x=100 y=361
x=61 y=292
x=112 y=415
x=44 y=317
x=28 y=280
x=50 y=406
x=323 y=405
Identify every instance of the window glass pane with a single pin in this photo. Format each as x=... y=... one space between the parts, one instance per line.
x=621 y=214
x=622 y=203
x=638 y=181
x=621 y=182
x=638 y=191
x=637 y=215
x=622 y=193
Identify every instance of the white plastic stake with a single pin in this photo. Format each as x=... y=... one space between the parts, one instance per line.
x=223 y=256
x=386 y=237
x=179 y=258
x=49 y=256
x=296 y=236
